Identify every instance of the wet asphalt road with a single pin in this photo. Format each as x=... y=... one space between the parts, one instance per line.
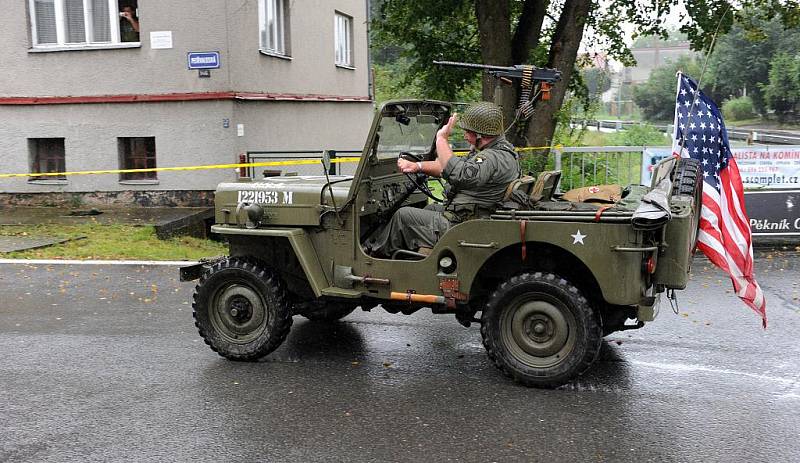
x=102 y=363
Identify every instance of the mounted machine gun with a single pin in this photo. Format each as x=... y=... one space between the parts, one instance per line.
x=534 y=82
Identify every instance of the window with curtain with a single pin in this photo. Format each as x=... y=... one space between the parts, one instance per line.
x=273 y=26
x=82 y=23
x=343 y=40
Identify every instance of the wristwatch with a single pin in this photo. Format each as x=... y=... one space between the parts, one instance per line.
x=419 y=166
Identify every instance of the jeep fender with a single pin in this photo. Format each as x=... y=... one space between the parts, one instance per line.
x=301 y=245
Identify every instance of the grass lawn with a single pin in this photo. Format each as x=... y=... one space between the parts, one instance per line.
x=110 y=242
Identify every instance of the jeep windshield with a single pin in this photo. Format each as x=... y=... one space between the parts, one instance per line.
x=409 y=127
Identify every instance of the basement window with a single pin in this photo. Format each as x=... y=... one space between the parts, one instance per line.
x=46 y=155
x=137 y=153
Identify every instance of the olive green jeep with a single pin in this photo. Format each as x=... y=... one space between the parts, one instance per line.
x=545 y=278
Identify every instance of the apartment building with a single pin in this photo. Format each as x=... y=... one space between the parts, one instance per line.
x=123 y=84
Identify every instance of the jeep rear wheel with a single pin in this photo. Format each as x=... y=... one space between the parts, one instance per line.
x=540 y=330
x=241 y=310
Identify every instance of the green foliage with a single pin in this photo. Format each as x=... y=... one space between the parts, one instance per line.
x=782 y=93
x=656 y=97
x=737 y=109
x=388 y=86
x=639 y=135
x=741 y=59
x=424 y=31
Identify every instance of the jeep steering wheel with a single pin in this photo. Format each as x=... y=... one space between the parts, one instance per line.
x=419 y=179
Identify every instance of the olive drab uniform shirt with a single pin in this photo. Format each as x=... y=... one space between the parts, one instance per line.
x=479 y=181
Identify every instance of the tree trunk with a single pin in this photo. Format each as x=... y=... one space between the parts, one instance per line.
x=563 y=53
x=499 y=48
x=494 y=28
x=529 y=30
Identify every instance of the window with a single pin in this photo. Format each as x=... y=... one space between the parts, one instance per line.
x=273 y=20
x=81 y=23
x=343 y=40
x=46 y=155
x=137 y=153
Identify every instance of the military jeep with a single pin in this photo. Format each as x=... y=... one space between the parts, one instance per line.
x=545 y=280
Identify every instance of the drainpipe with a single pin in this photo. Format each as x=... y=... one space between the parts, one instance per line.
x=369 y=53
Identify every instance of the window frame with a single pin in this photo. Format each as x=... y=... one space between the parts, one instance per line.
x=281 y=10
x=125 y=146
x=346 y=35
x=62 y=44
x=35 y=161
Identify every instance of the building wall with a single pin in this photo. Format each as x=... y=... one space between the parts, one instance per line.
x=186 y=134
x=230 y=27
x=282 y=103
x=649 y=58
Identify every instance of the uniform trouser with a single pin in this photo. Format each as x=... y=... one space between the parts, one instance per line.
x=409 y=228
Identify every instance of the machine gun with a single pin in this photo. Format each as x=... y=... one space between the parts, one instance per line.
x=534 y=82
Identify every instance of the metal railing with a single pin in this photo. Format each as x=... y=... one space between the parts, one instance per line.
x=594 y=165
x=580 y=166
x=295 y=155
x=748 y=135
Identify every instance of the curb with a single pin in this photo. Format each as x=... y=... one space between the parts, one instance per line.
x=163 y=263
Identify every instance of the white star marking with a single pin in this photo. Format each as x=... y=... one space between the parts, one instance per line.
x=578 y=237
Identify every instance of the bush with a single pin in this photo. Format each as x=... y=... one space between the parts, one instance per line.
x=639 y=135
x=737 y=109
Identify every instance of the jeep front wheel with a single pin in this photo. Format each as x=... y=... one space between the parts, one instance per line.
x=540 y=330
x=241 y=309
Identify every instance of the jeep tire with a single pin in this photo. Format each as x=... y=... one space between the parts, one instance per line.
x=241 y=309
x=540 y=330
x=688 y=181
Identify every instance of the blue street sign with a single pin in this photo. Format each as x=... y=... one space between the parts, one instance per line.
x=203 y=59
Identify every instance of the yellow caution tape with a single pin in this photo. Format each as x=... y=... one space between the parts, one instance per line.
x=293 y=162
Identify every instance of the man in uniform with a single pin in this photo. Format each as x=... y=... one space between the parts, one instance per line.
x=478 y=182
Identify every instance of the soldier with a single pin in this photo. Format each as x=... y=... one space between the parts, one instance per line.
x=477 y=182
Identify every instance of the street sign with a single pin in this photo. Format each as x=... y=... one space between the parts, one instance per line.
x=203 y=59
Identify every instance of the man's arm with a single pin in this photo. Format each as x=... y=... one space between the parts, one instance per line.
x=134 y=23
x=444 y=153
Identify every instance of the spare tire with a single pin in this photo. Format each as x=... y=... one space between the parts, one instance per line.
x=688 y=181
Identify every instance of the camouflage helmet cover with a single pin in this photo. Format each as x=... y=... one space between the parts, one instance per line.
x=483 y=118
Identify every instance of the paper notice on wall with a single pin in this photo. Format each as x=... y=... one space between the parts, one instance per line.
x=160 y=40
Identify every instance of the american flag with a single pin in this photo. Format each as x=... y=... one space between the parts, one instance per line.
x=724 y=235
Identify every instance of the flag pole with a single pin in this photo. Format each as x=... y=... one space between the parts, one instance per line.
x=699 y=81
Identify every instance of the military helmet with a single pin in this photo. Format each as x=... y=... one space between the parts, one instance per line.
x=483 y=118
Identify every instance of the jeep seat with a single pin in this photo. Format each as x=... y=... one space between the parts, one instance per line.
x=540 y=189
x=545 y=185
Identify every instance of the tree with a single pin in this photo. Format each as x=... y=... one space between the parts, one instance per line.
x=596 y=80
x=741 y=59
x=546 y=33
x=656 y=97
x=782 y=93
